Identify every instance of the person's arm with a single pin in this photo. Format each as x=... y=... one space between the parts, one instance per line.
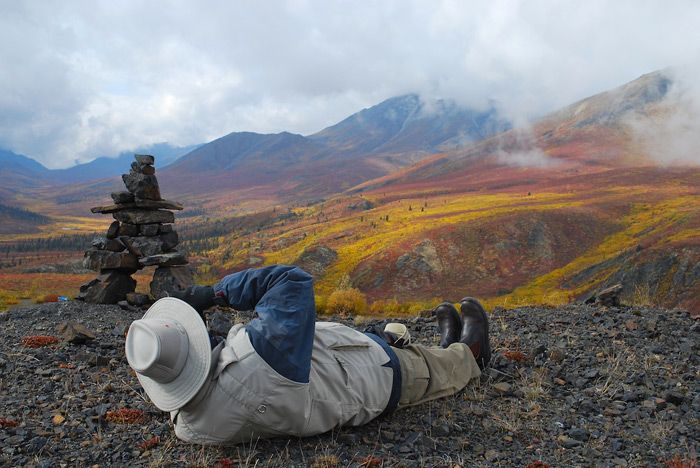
x=283 y=297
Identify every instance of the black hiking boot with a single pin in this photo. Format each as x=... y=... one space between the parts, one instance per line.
x=449 y=324
x=475 y=331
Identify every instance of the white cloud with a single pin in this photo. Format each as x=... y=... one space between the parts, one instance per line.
x=670 y=132
x=85 y=78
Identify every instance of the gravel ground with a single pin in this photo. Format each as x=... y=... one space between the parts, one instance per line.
x=573 y=386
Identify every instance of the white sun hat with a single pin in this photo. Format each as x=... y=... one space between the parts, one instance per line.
x=170 y=351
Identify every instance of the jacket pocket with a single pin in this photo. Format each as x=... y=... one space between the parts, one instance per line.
x=326 y=415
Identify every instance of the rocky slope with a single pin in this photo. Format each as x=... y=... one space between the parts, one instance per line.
x=574 y=386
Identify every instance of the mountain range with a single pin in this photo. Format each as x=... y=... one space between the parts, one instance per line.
x=419 y=200
x=285 y=167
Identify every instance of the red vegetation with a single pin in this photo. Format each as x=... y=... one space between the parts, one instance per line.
x=515 y=356
x=537 y=464
x=4 y=422
x=678 y=462
x=49 y=298
x=150 y=443
x=38 y=341
x=225 y=463
x=66 y=365
x=369 y=461
x=125 y=416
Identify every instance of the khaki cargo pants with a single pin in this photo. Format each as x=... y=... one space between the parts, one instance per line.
x=428 y=373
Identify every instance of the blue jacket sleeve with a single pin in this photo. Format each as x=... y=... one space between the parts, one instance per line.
x=283 y=297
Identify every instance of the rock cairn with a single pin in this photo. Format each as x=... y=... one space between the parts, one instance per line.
x=142 y=235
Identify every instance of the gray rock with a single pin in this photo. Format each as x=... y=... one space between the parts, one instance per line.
x=568 y=442
x=316 y=259
x=148 y=170
x=144 y=246
x=104 y=259
x=219 y=323
x=674 y=397
x=142 y=185
x=138 y=204
x=104 y=243
x=164 y=260
x=578 y=434
x=169 y=240
x=92 y=359
x=363 y=205
x=165 y=228
x=137 y=216
x=113 y=230
x=119 y=329
x=138 y=299
x=168 y=279
x=36 y=444
x=85 y=287
x=149 y=229
x=124 y=305
x=122 y=197
x=609 y=297
x=110 y=287
x=128 y=230
x=74 y=332
x=144 y=159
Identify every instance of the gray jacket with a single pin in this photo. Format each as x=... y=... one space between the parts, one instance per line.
x=244 y=398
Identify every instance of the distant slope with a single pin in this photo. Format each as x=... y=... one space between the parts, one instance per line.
x=287 y=167
x=19 y=172
x=110 y=166
x=586 y=137
x=19 y=221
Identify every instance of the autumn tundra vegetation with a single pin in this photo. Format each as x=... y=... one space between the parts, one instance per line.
x=545 y=215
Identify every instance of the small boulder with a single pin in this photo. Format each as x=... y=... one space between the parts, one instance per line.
x=104 y=259
x=75 y=333
x=168 y=279
x=164 y=260
x=113 y=230
x=137 y=216
x=137 y=299
x=142 y=185
x=219 y=323
x=144 y=159
x=122 y=197
x=109 y=287
x=149 y=230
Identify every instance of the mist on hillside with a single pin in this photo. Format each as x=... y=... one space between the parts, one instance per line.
x=669 y=132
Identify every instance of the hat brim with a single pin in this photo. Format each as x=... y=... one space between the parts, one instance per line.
x=176 y=393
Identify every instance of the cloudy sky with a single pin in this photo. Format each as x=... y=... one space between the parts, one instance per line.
x=81 y=79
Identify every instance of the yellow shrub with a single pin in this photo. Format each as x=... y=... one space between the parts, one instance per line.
x=346 y=302
x=321 y=304
x=389 y=308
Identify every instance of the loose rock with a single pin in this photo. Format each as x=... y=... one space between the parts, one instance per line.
x=75 y=333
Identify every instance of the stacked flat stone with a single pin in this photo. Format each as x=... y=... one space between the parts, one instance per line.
x=142 y=235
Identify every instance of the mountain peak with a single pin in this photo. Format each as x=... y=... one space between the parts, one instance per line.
x=409 y=123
